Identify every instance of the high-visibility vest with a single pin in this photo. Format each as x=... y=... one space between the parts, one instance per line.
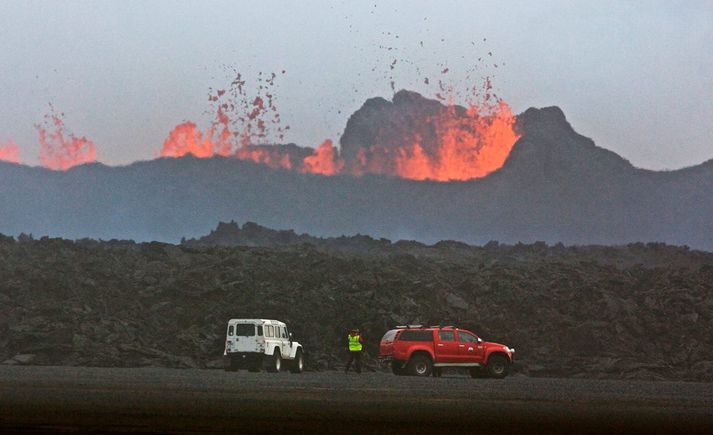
x=354 y=344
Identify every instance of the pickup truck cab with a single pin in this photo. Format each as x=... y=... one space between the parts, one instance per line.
x=255 y=344
x=422 y=351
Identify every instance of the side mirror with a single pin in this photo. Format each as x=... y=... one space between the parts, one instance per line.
x=290 y=336
x=480 y=340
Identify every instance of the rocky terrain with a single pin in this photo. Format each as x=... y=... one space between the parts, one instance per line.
x=594 y=312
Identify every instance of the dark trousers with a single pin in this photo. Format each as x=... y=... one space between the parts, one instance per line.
x=356 y=358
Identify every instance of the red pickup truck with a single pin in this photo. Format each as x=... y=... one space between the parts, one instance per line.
x=421 y=351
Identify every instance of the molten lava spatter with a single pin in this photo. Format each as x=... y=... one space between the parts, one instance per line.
x=420 y=140
x=9 y=152
x=242 y=123
x=325 y=160
x=468 y=146
x=59 y=148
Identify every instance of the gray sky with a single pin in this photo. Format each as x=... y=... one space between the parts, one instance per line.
x=637 y=77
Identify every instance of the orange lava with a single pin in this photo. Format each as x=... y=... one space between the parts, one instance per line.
x=9 y=152
x=463 y=144
x=60 y=149
x=469 y=146
x=325 y=160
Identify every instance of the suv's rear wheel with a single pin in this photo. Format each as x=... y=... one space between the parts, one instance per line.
x=274 y=362
x=420 y=365
x=498 y=366
x=298 y=363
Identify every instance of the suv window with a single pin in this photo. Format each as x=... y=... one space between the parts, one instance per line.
x=415 y=335
x=285 y=334
x=245 y=330
x=446 y=336
x=231 y=330
x=270 y=331
x=259 y=330
x=466 y=337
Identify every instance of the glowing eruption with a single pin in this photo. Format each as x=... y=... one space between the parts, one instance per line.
x=9 y=152
x=59 y=148
x=467 y=146
x=325 y=160
x=420 y=139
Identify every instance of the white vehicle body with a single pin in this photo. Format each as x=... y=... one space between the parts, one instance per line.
x=258 y=343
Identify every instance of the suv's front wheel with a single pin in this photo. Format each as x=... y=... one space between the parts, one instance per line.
x=420 y=365
x=274 y=362
x=298 y=363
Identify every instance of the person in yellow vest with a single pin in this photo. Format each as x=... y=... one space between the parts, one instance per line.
x=355 y=346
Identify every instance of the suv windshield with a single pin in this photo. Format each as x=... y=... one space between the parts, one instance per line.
x=245 y=330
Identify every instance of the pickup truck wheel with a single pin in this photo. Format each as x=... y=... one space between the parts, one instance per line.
x=498 y=366
x=274 y=362
x=420 y=365
x=298 y=363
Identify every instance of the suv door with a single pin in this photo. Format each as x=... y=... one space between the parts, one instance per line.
x=446 y=347
x=469 y=350
x=286 y=344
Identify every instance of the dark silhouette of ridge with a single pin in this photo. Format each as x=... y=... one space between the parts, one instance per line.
x=556 y=186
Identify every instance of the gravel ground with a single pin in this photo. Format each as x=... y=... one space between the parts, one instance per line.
x=167 y=400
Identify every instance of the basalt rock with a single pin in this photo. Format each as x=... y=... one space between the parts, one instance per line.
x=595 y=312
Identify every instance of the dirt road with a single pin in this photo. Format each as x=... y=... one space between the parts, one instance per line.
x=165 y=400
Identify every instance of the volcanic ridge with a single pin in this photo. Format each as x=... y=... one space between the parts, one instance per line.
x=551 y=185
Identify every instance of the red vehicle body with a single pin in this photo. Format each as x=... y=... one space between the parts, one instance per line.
x=422 y=351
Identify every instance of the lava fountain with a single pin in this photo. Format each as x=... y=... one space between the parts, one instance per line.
x=9 y=152
x=412 y=137
x=59 y=148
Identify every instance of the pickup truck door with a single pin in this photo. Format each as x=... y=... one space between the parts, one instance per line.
x=469 y=349
x=446 y=347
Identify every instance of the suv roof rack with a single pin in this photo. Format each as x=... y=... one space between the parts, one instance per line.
x=409 y=326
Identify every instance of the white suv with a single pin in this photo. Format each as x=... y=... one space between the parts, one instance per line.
x=257 y=343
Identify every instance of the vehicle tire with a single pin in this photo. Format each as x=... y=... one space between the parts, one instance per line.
x=420 y=365
x=498 y=366
x=274 y=362
x=298 y=363
x=397 y=369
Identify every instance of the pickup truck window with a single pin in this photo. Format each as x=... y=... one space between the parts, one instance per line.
x=465 y=337
x=414 y=335
x=446 y=336
x=389 y=336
